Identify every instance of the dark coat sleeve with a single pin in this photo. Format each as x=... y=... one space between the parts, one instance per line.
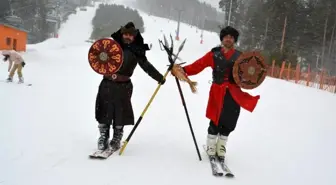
x=140 y=53
x=150 y=69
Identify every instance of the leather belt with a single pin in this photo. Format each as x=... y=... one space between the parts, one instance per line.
x=117 y=78
x=221 y=81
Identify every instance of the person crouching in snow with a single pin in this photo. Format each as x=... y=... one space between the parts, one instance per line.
x=14 y=58
x=225 y=97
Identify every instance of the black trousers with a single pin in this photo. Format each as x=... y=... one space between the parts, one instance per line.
x=228 y=118
x=113 y=103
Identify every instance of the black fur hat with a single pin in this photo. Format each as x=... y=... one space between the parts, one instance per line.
x=229 y=31
x=138 y=41
x=129 y=28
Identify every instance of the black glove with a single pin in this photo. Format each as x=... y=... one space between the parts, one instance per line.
x=162 y=81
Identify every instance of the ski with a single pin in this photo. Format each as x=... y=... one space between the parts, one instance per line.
x=102 y=154
x=214 y=168
x=26 y=84
x=225 y=168
x=213 y=162
x=96 y=153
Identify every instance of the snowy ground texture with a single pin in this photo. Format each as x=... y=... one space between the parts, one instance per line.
x=47 y=130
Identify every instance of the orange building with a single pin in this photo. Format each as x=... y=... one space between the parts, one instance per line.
x=12 y=38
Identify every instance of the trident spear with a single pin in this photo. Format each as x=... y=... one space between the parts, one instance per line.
x=172 y=62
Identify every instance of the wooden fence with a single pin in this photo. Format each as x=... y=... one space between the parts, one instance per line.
x=318 y=80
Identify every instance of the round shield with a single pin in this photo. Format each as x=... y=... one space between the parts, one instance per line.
x=249 y=70
x=105 y=56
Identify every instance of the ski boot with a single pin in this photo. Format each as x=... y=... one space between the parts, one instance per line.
x=21 y=80
x=221 y=147
x=115 y=143
x=104 y=130
x=211 y=145
x=9 y=79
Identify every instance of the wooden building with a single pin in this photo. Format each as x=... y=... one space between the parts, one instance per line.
x=12 y=38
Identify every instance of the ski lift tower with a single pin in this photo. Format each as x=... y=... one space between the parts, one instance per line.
x=178 y=23
x=223 y=7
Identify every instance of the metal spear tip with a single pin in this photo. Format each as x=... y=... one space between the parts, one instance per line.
x=163 y=45
x=172 y=42
x=182 y=45
x=171 y=37
x=165 y=41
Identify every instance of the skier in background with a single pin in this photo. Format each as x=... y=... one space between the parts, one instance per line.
x=15 y=58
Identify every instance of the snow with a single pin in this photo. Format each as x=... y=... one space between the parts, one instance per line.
x=47 y=130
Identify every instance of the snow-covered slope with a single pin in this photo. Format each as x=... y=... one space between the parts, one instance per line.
x=48 y=130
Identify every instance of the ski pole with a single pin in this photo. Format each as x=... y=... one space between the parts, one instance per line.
x=188 y=118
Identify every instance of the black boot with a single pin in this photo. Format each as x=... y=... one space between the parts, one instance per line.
x=104 y=130
x=9 y=79
x=116 y=140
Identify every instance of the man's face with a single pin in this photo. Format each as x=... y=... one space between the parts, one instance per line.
x=128 y=38
x=228 y=41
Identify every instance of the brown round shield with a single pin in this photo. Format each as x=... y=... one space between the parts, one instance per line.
x=105 y=56
x=249 y=70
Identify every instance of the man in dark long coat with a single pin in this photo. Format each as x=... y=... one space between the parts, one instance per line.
x=225 y=97
x=113 y=103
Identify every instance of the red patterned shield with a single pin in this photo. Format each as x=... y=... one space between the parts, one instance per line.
x=105 y=56
x=249 y=70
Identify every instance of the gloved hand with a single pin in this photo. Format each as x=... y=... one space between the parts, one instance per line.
x=162 y=81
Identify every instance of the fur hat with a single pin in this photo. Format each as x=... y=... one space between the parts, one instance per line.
x=129 y=28
x=229 y=31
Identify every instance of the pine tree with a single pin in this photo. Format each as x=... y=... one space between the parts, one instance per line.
x=4 y=9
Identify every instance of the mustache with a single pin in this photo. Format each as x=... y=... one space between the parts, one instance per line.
x=127 y=40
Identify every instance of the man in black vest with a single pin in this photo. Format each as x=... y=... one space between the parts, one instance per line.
x=225 y=97
x=113 y=103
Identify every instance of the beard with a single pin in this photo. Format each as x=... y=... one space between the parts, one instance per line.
x=126 y=40
x=228 y=45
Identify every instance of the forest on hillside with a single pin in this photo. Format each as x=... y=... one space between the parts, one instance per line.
x=110 y=17
x=30 y=15
x=285 y=30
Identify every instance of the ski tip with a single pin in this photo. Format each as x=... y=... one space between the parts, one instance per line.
x=230 y=175
x=218 y=174
x=97 y=158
